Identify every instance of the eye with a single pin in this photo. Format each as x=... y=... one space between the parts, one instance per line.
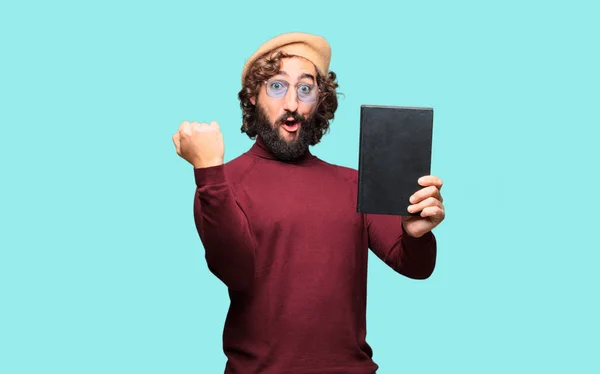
x=305 y=88
x=277 y=85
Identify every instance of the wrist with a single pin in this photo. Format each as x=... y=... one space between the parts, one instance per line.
x=409 y=234
x=207 y=164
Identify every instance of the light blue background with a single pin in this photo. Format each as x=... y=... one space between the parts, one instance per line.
x=101 y=270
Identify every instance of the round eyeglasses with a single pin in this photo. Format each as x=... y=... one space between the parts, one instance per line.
x=277 y=88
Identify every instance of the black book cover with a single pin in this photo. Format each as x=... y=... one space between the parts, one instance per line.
x=394 y=152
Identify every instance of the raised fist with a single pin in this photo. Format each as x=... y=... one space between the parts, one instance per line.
x=200 y=144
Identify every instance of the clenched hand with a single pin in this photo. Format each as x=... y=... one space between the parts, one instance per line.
x=200 y=144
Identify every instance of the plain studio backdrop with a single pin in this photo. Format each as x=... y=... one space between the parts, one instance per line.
x=102 y=271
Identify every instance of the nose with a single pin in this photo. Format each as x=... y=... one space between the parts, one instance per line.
x=290 y=101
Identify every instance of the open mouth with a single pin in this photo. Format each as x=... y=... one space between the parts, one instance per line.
x=290 y=125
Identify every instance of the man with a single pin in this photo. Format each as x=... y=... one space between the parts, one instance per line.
x=280 y=227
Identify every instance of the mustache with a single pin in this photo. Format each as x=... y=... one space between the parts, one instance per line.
x=295 y=115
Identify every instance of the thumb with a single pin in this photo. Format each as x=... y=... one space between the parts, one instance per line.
x=177 y=143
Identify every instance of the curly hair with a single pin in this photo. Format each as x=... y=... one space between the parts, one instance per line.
x=266 y=67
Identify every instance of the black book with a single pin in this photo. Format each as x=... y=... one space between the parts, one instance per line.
x=394 y=152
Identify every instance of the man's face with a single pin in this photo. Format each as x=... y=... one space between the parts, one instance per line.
x=286 y=105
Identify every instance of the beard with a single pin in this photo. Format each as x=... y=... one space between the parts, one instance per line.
x=270 y=135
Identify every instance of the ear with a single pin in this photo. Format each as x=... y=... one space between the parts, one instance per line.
x=253 y=100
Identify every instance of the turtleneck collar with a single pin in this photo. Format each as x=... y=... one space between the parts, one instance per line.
x=261 y=150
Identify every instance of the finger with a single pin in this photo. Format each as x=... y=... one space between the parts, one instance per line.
x=434 y=212
x=201 y=127
x=183 y=125
x=187 y=128
x=431 y=180
x=424 y=193
x=429 y=202
x=215 y=125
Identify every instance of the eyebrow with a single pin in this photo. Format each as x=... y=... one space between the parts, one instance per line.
x=302 y=76
x=306 y=75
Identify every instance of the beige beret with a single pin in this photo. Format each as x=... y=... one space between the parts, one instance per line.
x=312 y=47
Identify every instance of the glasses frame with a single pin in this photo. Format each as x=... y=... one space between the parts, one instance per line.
x=314 y=86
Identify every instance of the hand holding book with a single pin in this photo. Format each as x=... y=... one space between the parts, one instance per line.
x=430 y=203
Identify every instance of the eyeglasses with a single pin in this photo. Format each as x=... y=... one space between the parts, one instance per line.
x=277 y=88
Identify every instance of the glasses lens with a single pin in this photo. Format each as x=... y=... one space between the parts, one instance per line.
x=307 y=92
x=277 y=88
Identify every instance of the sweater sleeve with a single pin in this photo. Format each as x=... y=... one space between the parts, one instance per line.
x=412 y=257
x=223 y=229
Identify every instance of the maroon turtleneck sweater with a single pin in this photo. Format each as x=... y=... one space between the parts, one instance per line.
x=287 y=241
